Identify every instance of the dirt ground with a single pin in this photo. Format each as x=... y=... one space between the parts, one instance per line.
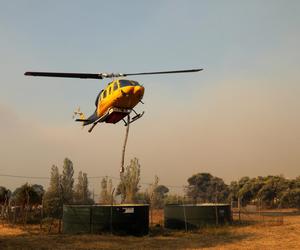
x=254 y=235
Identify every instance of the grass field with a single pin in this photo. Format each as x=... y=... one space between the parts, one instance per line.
x=255 y=235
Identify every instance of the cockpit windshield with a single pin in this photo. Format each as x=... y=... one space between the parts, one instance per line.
x=134 y=83
x=124 y=83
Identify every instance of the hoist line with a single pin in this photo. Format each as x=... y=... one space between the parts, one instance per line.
x=124 y=146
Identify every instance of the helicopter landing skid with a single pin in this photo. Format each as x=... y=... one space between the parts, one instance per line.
x=133 y=119
x=113 y=115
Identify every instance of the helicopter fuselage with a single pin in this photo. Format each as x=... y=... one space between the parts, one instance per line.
x=125 y=94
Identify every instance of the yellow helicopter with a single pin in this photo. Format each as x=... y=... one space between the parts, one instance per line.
x=117 y=100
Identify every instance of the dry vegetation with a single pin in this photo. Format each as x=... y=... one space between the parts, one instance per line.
x=255 y=235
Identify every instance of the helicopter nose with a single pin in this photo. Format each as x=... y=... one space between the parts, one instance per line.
x=139 y=91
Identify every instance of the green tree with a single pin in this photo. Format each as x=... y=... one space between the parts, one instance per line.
x=156 y=193
x=204 y=187
x=106 y=196
x=160 y=196
x=174 y=199
x=151 y=191
x=272 y=189
x=39 y=192
x=53 y=202
x=86 y=192
x=28 y=195
x=67 y=181
x=81 y=192
x=248 y=188
x=129 y=183
x=233 y=189
x=4 y=195
x=290 y=198
x=142 y=197
x=269 y=190
x=297 y=182
x=78 y=191
x=294 y=183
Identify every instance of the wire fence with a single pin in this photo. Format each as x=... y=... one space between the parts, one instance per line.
x=257 y=212
x=95 y=183
x=89 y=177
x=250 y=213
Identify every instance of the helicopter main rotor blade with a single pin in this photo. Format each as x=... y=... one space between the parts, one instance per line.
x=104 y=75
x=163 y=72
x=66 y=75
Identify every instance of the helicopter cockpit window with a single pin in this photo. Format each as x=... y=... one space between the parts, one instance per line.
x=115 y=86
x=134 y=83
x=104 y=94
x=124 y=83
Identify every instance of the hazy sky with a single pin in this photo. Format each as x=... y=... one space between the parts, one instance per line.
x=240 y=116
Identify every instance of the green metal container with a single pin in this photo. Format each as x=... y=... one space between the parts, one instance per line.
x=191 y=216
x=77 y=219
x=132 y=219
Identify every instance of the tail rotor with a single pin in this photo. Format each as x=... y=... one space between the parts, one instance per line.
x=78 y=113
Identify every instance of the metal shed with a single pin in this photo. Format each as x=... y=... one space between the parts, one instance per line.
x=132 y=219
x=192 y=216
x=76 y=218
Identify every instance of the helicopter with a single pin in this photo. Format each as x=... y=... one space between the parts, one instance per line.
x=117 y=100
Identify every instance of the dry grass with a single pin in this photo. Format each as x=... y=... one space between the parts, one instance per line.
x=250 y=236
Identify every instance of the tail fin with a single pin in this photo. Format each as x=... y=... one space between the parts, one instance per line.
x=80 y=114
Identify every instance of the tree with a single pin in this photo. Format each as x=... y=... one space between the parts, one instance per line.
x=39 y=192
x=142 y=197
x=151 y=191
x=204 y=187
x=160 y=195
x=67 y=181
x=53 y=202
x=297 y=181
x=129 y=183
x=86 y=193
x=156 y=193
x=28 y=195
x=82 y=193
x=249 y=188
x=294 y=183
x=233 y=189
x=290 y=198
x=174 y=199
x=218 y=190
x=272 y=189
x=4 y=195
x=106 y=196
x=197 y=188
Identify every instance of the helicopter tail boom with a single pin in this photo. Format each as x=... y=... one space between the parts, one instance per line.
x=82 y=120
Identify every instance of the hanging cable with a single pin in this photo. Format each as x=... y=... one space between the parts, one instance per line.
x=122 y=169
